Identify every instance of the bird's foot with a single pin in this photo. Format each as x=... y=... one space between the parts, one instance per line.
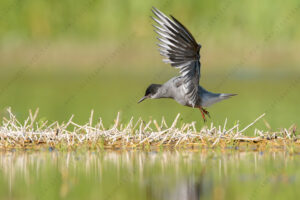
x=204 y=112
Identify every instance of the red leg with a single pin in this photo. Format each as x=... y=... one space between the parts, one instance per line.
x=206 y=112
x=202 y=112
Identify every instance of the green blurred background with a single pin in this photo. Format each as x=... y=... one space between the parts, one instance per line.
x=68 y=57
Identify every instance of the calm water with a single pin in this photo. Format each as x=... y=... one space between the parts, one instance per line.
x=149 y=175
x=58 y=95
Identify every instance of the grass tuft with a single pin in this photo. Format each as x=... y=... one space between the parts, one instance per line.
x=149 y=135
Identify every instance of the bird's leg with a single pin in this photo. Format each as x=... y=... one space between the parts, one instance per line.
x=204 y=112
x=203 y=115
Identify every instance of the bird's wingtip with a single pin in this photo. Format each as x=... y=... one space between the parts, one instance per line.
x=154 y=10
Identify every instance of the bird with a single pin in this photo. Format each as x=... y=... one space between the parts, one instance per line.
x=180 y=49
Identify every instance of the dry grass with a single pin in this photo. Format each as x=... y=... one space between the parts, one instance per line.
x=138 y=135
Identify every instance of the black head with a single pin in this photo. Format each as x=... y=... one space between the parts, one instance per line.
x=151 y=90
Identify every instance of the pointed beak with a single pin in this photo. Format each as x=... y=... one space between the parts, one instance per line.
x=142 y=99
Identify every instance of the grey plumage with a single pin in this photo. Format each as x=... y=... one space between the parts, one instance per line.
x=181 y=50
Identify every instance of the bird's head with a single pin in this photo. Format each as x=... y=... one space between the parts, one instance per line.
x=150 y=92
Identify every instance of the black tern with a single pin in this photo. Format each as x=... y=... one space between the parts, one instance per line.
x=181 y=50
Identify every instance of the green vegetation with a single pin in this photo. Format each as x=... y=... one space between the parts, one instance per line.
x=98 y=19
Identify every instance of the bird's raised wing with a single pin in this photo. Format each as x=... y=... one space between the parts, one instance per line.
x=181 y=50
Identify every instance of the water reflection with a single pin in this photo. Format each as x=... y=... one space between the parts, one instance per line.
x=190 y=187
x=162 y=175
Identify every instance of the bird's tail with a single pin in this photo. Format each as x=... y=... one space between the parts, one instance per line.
x=226 y=95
